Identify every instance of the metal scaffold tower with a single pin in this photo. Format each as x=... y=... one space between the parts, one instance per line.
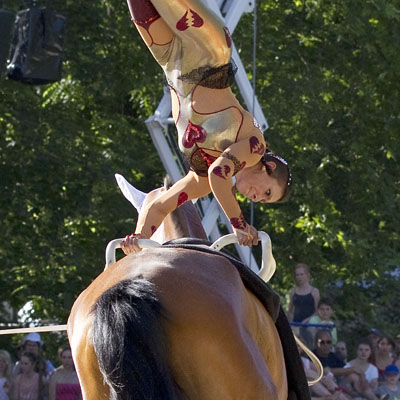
x=162 y=129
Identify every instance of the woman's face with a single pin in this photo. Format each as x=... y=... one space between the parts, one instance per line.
x=363 y=352
x=32 y=347
x=26 y=364
x=384 y=346
x=301 y=275
x=66 y=359
x=258 y=186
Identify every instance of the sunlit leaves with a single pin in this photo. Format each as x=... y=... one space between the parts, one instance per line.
x=329 y=85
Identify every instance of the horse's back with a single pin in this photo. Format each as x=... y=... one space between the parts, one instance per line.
x=222 y=344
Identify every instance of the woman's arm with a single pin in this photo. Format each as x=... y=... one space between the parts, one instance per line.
x=14 y=388
x=315 y=294
x=291 y=305
x=189 y=187
x=236 y=157
x=151 y=216
x=52 y=386
x=374 y=384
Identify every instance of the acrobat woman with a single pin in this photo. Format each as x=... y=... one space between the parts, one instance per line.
x=217 y=135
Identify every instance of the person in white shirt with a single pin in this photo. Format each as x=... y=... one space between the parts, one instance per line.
x=365 y=383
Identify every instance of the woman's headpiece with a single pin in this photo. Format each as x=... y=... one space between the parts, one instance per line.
x=269 y=156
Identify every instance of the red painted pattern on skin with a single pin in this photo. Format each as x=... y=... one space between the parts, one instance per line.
x=222 y=172
x=228 y=37
x=218 y=171
x=153 y=229
x=197 y=20
x=255 y=146
x=238 y=223
x=242 y=165
x=184 y=22
x=182 y=198
x=193 y=134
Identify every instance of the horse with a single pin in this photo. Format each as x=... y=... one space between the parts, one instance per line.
x=175 y=323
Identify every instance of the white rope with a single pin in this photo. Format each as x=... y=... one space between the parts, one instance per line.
x=314 y=359
x=49 y=328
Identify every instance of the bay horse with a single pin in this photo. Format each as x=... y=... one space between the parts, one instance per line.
x=176 y=323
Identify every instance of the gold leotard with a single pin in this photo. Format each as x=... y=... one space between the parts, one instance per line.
x=193 y=47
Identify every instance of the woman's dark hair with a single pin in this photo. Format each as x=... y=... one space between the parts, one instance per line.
x=32 y=357
x=281 y=173
x=366 y=342
x=326 y=302
x=61 y=350
x=389 y=340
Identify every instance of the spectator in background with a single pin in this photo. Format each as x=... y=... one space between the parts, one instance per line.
x=329 y=361
x=32 y=343
x=341 y=351
x=5 y=374
x=326 y=388
x=304 y=299
x=373 y=337
x=28 y=384
x=383 y=355
x=323 y=316
x=364 y=382
x=390 y=388
x=64 y=383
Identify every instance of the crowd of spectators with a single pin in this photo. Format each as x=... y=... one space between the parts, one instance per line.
x=374 y=372
x=32 y=377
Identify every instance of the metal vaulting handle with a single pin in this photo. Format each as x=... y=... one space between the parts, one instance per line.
x=116 y=244
x=268 y=264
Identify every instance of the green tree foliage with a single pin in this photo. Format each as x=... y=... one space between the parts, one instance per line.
x=329 y=84
x=61 y=145
x=328 y=81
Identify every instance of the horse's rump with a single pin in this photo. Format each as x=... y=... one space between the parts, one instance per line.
x=221 y=342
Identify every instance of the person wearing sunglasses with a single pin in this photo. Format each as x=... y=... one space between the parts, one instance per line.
x=331 y=363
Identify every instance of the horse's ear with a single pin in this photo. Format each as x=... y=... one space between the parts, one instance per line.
x=135 y=196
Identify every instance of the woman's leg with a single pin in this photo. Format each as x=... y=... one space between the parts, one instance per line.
x=319 y=390
x=150 y=218
x=154 y=31
x=201 y=38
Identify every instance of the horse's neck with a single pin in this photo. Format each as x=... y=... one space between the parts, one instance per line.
x=184 y=222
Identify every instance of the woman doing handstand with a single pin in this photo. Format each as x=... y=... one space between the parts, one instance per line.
x=217 y=135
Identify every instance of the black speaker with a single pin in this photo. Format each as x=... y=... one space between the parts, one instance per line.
x=7 y=19
x=37 y=47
